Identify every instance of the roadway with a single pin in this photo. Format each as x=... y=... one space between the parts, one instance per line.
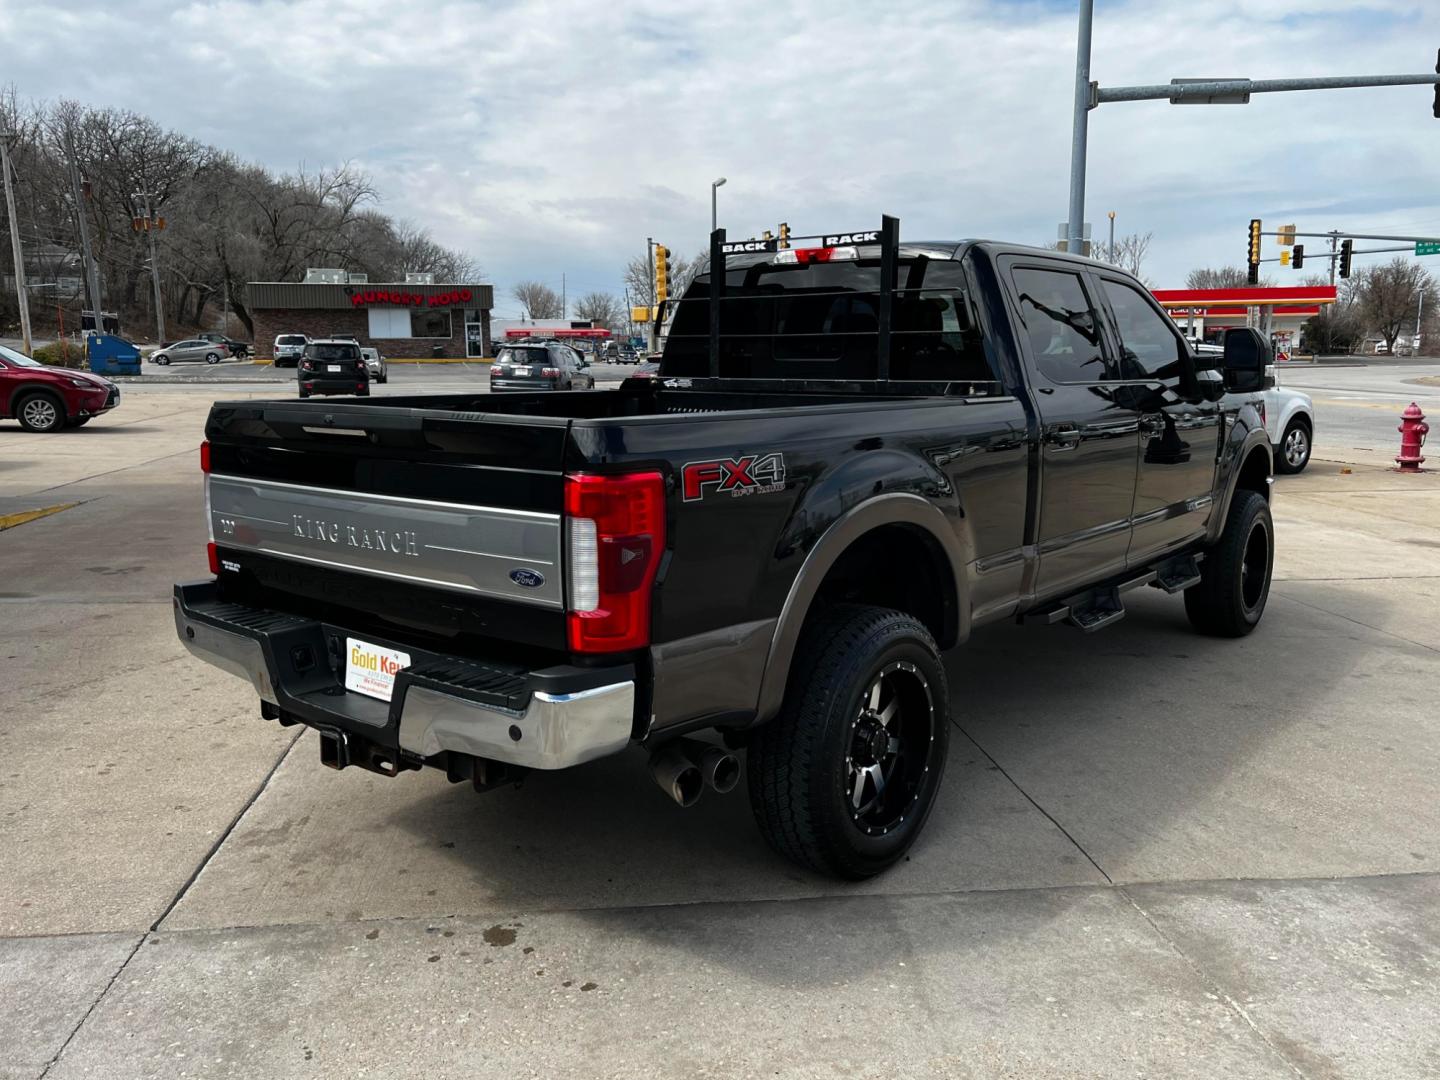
x=1155 y=854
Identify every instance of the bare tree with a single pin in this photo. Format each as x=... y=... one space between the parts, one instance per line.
x=638 y=281
x=1130 y=252
x=1388 y=296
x=538 y=301
x=1223 y=277
x=602 y=309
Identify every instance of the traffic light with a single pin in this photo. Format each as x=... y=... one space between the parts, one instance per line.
x=1284 y=258
x=1437 y=86
x=662 y=272
x=1346 y=248
x=784 y=234
x=1298 y=259
x=1253 y=252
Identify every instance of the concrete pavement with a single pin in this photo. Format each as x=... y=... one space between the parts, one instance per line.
x=1155 y=854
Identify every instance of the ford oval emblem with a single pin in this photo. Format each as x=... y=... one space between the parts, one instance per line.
x=527 y=578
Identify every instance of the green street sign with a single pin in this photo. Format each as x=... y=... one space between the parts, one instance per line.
x=1427 y=247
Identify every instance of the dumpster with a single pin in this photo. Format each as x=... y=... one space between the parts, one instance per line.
x=111 y=355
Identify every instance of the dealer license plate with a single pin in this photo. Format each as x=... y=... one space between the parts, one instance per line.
x=332 y=367
x=370 y=669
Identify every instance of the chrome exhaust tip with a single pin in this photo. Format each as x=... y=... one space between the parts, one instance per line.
x=718 y=766
x=677 y=775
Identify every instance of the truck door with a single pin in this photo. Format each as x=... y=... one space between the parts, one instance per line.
x=1090 y=436
x=1179 y=438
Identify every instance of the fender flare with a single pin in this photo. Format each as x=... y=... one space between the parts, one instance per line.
x=1255 y=439
x=893 y=508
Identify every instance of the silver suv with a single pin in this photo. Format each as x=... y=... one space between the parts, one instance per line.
x=289 y=348
x=375 y=364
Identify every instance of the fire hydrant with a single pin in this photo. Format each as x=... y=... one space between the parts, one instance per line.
x=1413 y=430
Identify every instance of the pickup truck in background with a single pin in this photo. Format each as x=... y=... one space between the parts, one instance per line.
x=854 y=455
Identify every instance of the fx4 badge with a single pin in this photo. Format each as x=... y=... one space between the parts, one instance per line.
x=754 y=474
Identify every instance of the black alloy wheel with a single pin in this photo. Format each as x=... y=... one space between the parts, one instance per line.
x=843 y=779
x=1236 y=571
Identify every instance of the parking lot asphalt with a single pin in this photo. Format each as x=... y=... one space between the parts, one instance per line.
x=1155 y=854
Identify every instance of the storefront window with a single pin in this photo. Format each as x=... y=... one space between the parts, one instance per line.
x=430 y=324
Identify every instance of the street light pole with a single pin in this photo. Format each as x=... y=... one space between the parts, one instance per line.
x=715 y=185
x=92 y=268
x=1112 y=236
x=1075 y=240
x=24 y=299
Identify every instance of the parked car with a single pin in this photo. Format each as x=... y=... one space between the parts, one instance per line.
x=333 y=367
x=196 y=349
x=1289 y=418
x=773 y=542
x=238 y=349
x=375 y=364
x=647 y=370
x=45 y=398
x=540 y=367
x=288 y=349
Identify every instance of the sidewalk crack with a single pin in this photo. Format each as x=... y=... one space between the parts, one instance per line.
x=1048 y=816
x=1215 y=988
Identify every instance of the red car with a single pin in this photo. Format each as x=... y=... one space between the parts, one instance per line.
x=47 y=398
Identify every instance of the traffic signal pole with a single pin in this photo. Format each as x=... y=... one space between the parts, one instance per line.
x=1090 y=95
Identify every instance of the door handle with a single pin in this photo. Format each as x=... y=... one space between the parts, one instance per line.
x=1063 y=437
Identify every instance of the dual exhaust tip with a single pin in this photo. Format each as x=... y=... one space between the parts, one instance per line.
x=686 y=767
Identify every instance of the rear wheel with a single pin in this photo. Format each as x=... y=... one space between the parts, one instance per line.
x=1235 y=574
x=212 y=358
x=843 y=779
x=41 y=412
x=1293 y=453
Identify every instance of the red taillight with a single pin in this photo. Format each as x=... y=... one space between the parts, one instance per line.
x=205 y=456
x=549 y=373
x=214 y=557
x=615 y=538
x=805 y=256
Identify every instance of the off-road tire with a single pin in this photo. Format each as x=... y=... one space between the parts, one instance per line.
x=1234 y=587
x=799 y=763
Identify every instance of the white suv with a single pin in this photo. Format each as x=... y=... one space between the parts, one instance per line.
x=289 y=348
x=375 y=364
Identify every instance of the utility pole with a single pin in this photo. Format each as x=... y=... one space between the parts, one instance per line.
x=1112 y=236
x=562 y=296
x=1091 y=95
x=150 y=226
x=20 y=292
x=92 y=270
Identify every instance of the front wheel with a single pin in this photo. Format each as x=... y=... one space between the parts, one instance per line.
x=1235 y=574
x=162 y=359
x=41 y=412
x=1293 y=453
x=843 y=779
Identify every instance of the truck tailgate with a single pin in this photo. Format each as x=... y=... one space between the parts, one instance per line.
x=355 y=507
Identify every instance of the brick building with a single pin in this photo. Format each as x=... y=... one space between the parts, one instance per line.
x=401 y=320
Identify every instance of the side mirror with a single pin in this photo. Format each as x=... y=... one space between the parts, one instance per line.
x=1247 y=355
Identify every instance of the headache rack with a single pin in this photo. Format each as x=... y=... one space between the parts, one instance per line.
x=888 y=236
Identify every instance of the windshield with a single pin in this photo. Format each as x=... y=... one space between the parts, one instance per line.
x=18 y=359
x=290 y=339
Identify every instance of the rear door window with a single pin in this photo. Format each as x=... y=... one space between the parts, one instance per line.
x=1062 y=325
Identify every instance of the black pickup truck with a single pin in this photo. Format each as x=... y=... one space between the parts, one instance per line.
x=854 y=455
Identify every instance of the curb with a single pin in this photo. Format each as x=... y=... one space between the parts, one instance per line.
x=260 y=362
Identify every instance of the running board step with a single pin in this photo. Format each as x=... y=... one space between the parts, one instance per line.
x=1179 y=574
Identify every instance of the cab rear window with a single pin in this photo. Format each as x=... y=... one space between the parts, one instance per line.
x=823 y=321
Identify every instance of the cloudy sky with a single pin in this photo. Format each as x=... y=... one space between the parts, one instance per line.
x=554 y=137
